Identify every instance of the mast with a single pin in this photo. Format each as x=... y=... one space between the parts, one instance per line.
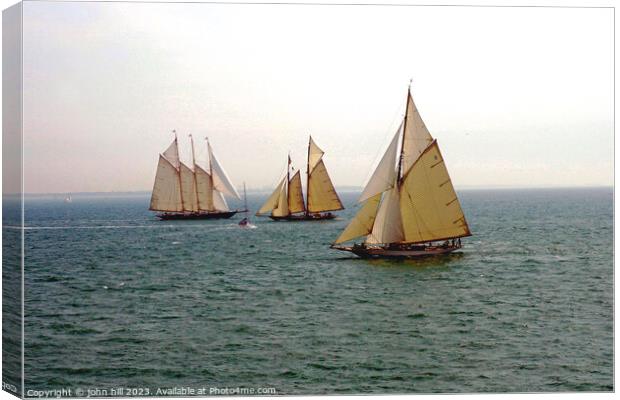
x=191 y=138
x=288 y=179
x=210 y=169
x=402 y=144
x=176 y=143
x=245 y=200
x=308 y=176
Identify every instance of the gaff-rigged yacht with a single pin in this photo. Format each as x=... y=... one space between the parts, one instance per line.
x=409 y=204
x=286 y=203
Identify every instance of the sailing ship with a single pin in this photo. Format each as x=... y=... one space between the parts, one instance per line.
x=68 y=198
x=181 y=192
x=409 y=203
x=286 y=203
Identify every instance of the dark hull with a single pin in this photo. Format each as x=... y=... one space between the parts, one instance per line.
x=304 y=217
x=382 y=252
x=202 y=215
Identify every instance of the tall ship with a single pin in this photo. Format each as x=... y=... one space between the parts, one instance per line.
x=287 y=203
x=408 y=207
x=184 y=192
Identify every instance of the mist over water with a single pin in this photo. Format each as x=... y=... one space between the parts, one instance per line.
x=115 y=297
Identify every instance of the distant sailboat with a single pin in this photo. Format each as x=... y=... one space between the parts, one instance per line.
x=287 y=200
x=181 y=192
x=409 y=203
x=68 y=198
x=245 y=222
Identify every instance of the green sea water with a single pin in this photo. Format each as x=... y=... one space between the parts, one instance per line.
x=116 y=298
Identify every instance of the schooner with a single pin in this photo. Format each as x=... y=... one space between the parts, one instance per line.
x=408 y=203
x=286 y=203
x=181 y=192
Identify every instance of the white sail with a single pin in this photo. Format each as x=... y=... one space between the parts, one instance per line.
x=416 y=136
x=281 y=209
x=314 y=155
x=219 y=202
x=166 y=194
x=204 y=189
x=388 y=226
x=384 y=177
x=362 y=223
x=295 y=195
x=188 y=186
x=272 y=201
x=172 y=154
x=221 y=182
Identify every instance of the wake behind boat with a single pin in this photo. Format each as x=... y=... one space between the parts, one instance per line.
x=183 y=193
x=408 y=204
x=286 y=203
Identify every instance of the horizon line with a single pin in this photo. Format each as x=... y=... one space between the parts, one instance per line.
x=343 y=188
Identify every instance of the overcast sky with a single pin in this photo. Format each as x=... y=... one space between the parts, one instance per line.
x=514 y=96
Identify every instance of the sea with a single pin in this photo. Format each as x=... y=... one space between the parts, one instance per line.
x=117 y=300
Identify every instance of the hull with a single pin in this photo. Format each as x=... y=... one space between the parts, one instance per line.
x=304 y=217
x=200 y=215
x=383 y=252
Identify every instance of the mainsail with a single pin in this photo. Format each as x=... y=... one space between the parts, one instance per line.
x=429 y=206
x=411 y=200
x=179 y=188
x=188 y=188
x=204 y=189
x=166 y=194
x=295 y=195
x=322 y=195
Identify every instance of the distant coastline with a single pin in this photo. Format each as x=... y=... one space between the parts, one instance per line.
x=343 y=189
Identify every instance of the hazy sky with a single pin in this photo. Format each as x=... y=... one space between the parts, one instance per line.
x=515 y=96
